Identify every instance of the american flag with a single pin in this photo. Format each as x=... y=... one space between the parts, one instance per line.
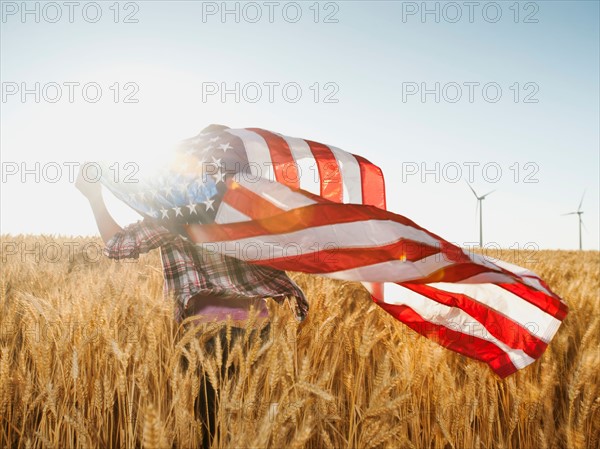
x=298 y=205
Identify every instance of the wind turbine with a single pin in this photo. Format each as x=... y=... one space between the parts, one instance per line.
x=480 y=207
x=578 y=212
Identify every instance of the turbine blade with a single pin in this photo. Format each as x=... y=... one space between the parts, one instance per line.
x=585 y=227
x=569 y=213
x=488 y=194
x=472 y=190
x=581 y=202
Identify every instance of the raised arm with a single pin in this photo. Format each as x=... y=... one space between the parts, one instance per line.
x=107 y=226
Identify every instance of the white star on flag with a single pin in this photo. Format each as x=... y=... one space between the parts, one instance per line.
x=183 y=186
x=225 y=146
x=209 y=204
x=192 y=208
x=219 y=177
x=169 y=191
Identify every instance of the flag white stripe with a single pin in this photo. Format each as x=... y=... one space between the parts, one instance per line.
x=384 y=271
x=277 y=194
x=306 y=164
x=481 y=260
x=528 y=277
x=228 y=214
x=536 y=284
x=258 y=153
x=514 y=268
x=487 y=277
x=499 y=278
x=351 y=178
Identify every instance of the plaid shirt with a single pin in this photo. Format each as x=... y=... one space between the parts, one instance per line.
x=189 y=270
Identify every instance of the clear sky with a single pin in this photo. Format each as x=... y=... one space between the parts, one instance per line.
x=518 y=102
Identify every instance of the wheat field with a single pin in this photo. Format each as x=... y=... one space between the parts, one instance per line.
x=90 y=356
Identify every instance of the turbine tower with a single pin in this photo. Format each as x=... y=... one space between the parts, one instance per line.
x=578 y=212
x=480 y=207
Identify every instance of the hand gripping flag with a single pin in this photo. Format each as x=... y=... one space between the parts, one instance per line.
x=298 y=205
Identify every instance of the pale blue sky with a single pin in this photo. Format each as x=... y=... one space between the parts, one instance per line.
x=368 y=54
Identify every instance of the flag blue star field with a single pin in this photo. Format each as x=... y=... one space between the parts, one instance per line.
x=189 y=187
x=299 y=205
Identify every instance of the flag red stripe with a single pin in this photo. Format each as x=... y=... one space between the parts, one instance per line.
x=465 y=344
x=331 y=259
x=329 y=171
x=248 y=203
x=543 y=284
x=315 y=198
x=501 y=327
x=548 y=304
x=373 y=184
x=453 y=273
x=284 y=165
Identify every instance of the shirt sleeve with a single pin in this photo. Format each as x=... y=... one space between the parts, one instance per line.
x=136 y=239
